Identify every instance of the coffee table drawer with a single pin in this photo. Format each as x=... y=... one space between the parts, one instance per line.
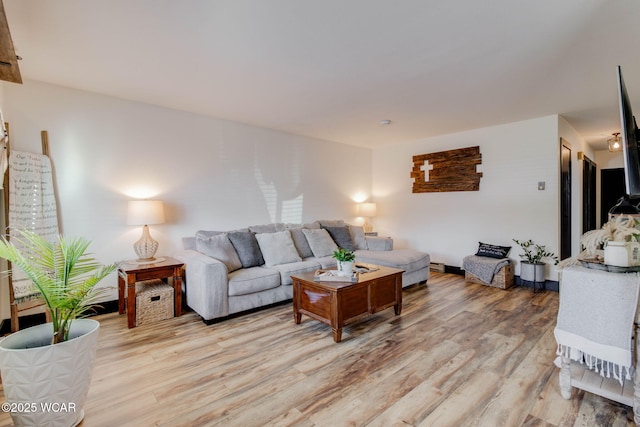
x=353 y=303
x=383 y=293
x=315 y=301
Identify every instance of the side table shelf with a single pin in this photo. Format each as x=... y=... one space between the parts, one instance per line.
x=130 y=273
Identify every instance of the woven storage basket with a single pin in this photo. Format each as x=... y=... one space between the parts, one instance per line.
x=154 y=301
x=503 y=279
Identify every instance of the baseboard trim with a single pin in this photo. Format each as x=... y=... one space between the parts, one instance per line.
x=453 y=270
x=549 y=285
x=39 y=318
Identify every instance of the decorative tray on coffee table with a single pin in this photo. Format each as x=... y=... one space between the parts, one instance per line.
x=598 y=264
x=333 y=276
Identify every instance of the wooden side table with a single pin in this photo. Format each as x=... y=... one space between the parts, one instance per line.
x=130 y=273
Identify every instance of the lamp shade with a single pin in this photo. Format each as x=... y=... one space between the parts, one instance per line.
x=145 y=212
x=367 y=209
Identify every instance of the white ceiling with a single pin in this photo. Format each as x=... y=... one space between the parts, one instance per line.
x=333 y=69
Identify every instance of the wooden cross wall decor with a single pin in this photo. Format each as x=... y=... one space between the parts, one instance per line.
x=452 y=170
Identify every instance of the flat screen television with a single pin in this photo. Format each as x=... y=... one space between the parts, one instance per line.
x=630 y=139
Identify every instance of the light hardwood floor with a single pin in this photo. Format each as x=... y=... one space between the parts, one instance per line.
x=459 y=354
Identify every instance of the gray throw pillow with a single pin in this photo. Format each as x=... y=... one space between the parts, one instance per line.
x=301 y=242
x=320 y=241
x=331 y=222
x=342 y=237
x=220 y=248
x=277 y=248
x=247 y=248
x=267 y=228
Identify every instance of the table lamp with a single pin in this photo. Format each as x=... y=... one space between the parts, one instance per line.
x=367 y=210
x=145 y=212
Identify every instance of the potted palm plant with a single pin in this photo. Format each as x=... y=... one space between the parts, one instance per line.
x=532 y=266
x=345 y=258
x=46 y=369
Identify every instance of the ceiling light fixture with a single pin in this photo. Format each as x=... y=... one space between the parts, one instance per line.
x=386 y=122
x=615 y=143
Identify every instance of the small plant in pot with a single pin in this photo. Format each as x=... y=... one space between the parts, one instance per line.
x=532 y=268
x=51 y=364
x=345 y=258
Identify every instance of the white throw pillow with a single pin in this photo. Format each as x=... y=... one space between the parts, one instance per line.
x=277 y=248
x=220 y=248
x=320 y=241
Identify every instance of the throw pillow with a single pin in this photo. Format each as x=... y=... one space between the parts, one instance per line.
x=220 y=248
x=492 y=251
x=357 y=234
x=320 y=241
x=267 y=228
x=331 y=222
x=247 y=248
x=301 y=242
x=342 y=237
x=277 y=248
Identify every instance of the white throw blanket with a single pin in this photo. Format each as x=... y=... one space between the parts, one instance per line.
x=32 y=205
x=596 y=319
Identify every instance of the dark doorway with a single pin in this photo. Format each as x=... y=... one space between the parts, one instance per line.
x=565 y=201
x=611 y=190
x=588 y=195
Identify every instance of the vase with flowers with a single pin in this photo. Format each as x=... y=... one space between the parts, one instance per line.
x=617 y=243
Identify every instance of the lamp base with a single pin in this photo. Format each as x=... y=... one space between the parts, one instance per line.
x=368 y=228
x=145 y=247
x=143 y=262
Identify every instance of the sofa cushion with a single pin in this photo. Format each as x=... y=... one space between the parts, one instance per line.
x=267 y=228
x=247 y=248
x=342 y=237
x=357 y=235
x=204 y=234
x=300 y=242
x=379 y=243
x=286 y=270
x=219 y=247
x=406 y=259
x=320 y=242
x=250 y=280
x=277 y=248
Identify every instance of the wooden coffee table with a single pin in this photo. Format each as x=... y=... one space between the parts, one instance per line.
x=340 y=303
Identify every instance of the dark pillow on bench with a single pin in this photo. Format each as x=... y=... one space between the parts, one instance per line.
x=493 y=251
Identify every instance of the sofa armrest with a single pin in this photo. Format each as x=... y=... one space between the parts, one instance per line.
x=376 y=243
x=206 y=284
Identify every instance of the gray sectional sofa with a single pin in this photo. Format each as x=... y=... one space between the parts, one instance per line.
x=239 y=270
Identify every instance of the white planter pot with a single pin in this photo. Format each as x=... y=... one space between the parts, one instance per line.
x=533 y=272
x=622 y=254
x=48 y=384
x=345 y=268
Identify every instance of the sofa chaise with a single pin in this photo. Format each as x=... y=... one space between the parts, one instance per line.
x=235 y=271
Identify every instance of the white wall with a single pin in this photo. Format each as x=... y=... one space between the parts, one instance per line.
x=577 y=144
x=515 y=157
x=211 y=174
